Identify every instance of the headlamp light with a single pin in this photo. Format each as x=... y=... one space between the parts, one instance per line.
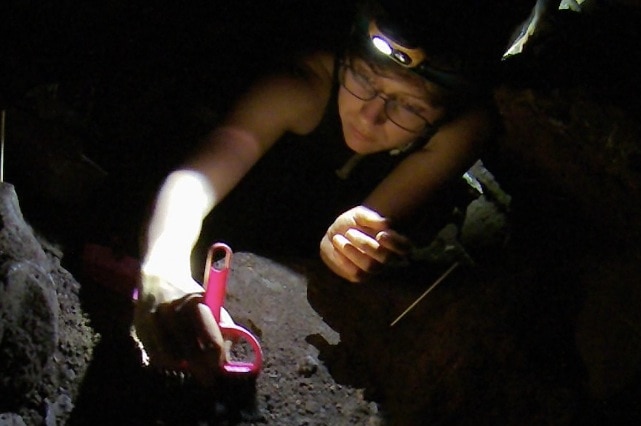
x=386 y=42
x=405 y=56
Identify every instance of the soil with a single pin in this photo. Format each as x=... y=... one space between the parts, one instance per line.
x=538 y=325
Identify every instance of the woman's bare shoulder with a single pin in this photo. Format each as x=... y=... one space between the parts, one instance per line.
x=319 y=65
x=294 y=99
x=309 y=89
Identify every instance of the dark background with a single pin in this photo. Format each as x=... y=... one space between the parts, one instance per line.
x=132 y=86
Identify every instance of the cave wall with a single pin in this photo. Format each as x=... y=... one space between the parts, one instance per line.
x=46 y=342
x=570 y=157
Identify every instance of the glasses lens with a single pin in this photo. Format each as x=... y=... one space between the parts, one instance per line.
x=403 y=117
x=356 y=84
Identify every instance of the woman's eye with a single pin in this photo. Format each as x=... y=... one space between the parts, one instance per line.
x=364 y=76
x=362 y=79
x=412 y=107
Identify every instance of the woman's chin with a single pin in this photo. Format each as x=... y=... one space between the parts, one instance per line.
x=359 y=146
x=356 y=148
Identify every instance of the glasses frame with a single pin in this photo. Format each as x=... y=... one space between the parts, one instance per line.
x=346 y=66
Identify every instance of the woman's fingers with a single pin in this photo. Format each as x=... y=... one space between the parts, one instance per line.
x=368 y=246
x=367 y=218
x=356 y=252
x=360 y=242
x=394 y=242
x=209 y=355
x=359 y=217
x=191 y=335
x=337 y=261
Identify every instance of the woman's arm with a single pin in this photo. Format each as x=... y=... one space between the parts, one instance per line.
x=274 y=106
x=450 y=152
x=171 y=322
x=363 y=238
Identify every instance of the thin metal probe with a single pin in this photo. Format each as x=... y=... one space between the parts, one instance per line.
x=425 y=293
x=2 y=121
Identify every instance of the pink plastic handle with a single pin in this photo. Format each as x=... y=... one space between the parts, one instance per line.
x=233 y=333
x=216 y=279
x=216 y=287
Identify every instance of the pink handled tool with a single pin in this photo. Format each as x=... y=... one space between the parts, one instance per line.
x=215 y=289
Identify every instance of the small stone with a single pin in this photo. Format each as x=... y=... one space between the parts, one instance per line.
x=63 y=404
x=311 y=407
x=11 y=419
x=308 y=366
x=70 y=374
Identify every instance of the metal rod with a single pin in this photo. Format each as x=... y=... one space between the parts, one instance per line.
x=2 y=121
x=425 y=293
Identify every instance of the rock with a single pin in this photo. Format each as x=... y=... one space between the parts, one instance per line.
x=45 y=341
x=16 y=236
x=29 y=310
x=308 y=366
x=61 y=406
x=28 y=326
x=11 y=419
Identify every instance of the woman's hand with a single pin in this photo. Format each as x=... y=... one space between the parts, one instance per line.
x=177 y=331
x=359 y=243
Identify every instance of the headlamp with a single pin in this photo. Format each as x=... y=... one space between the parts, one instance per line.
x=381 y=38
x=404 y=56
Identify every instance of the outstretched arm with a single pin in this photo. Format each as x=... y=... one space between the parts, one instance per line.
x=272 y=107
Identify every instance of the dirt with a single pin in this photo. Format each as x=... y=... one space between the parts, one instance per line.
x=539 y=324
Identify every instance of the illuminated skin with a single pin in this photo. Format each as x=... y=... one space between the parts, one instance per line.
x=362 y=239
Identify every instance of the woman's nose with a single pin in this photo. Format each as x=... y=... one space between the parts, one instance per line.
x=374 y=110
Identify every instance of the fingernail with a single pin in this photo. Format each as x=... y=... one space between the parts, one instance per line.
x=382 y=235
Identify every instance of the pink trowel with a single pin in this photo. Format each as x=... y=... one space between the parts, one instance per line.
x=215 y=289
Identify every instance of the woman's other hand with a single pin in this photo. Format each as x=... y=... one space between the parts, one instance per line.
x=359 y=243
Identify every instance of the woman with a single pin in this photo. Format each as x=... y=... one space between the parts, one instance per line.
x=398 y=90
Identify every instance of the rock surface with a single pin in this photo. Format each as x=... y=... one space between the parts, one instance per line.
x=45 y=340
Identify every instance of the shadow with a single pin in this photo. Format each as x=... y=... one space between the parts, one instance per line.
x=481 y=346
x=382 y=360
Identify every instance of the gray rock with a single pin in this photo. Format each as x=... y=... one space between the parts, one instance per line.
x=45 y=341
x=17 y=239
x=11 y=419
x=28 y=326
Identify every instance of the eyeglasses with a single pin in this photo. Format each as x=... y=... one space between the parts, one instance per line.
x=404 y=116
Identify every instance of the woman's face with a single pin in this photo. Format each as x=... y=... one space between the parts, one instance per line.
x=367 y=127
